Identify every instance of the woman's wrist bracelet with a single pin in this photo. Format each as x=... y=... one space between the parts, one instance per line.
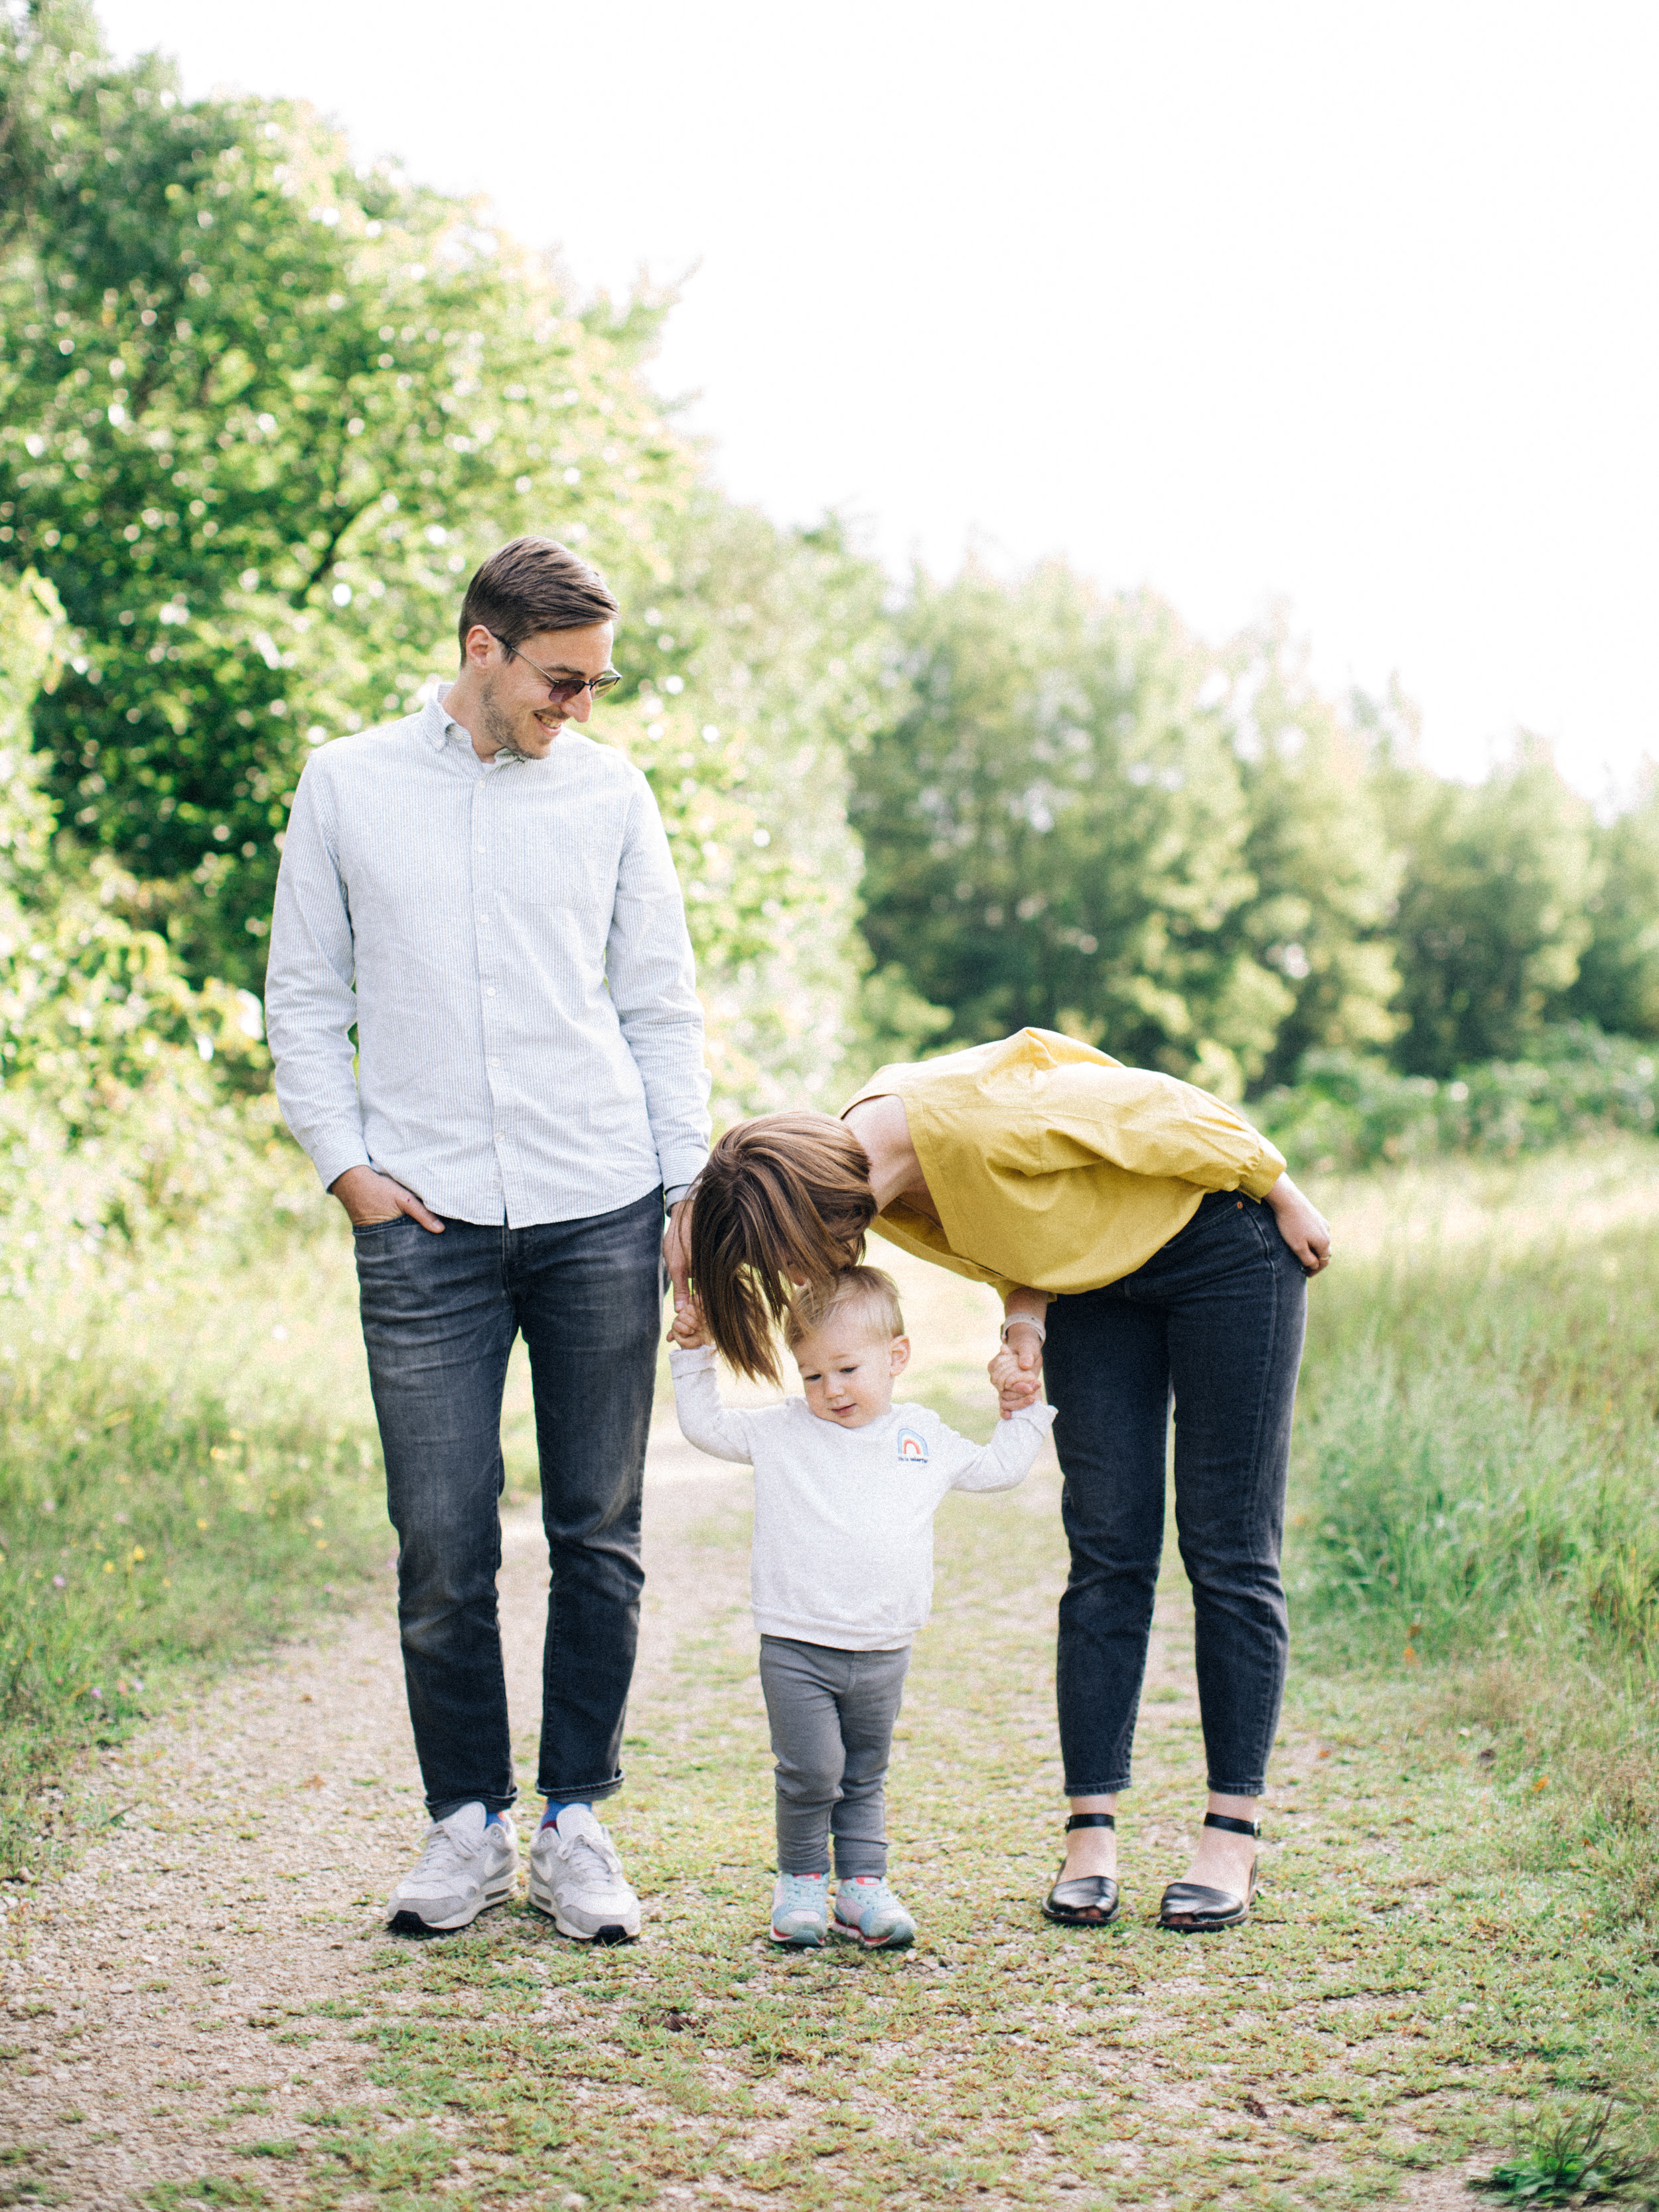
x=1025 y=1320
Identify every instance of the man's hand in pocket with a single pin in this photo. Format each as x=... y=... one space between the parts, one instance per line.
x=368 y=1197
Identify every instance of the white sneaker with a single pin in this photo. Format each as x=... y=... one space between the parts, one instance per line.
x=470 y=1863
x=867 y=1913
x=577 y=1879
x=800 y=1910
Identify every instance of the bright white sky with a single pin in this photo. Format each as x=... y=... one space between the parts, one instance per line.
x=1357 y=307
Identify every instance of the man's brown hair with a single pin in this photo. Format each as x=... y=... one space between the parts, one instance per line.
x=535 y=584
x=784 y=1200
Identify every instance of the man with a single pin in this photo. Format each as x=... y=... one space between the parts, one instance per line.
x=489 y=896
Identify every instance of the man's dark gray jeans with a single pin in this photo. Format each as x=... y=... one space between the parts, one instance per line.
x=440 y=1317
x=1214 y=1322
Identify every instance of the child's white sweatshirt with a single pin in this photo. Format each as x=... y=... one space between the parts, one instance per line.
x=844 y=1517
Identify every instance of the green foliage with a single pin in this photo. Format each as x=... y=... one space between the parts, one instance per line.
x=1325 y=870
x=787 y=658
x=122 y=1114
x=1351 y=1110
x=1053 y=828
x=1618 y=982
x=141 y=1528
x=263 y=410
x=1573 y=2157
x=1493 y=909
x=1080 y=816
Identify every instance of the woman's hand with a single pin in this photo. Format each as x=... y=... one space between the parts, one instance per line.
x=1301 y=1225
x=1016 y=1372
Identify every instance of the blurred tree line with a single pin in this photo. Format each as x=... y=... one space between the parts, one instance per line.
x=1085 y=817
x=263 y=406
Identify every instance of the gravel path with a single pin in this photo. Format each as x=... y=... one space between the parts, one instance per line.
x=189 y=1964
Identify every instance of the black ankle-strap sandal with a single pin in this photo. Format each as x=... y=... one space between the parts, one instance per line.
x=1090 y=1900
x=1193 y=1909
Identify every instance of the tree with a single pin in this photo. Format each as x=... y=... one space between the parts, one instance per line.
x=786 y=654
x=260 y=410
x=1617 y=981
x=1493 y=907
x=1326 y=872
x=1056 y=830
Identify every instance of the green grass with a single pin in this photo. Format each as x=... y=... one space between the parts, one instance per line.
x=1453 y=1966
x=1477 y=1483
x=1422 y=1975
x=176 y=1489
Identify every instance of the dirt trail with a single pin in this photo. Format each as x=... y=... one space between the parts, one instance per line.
x=187 y=1963
x=173 y=1994
x=199 y=1984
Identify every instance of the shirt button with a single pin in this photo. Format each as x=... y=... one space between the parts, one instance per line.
x=490 y=993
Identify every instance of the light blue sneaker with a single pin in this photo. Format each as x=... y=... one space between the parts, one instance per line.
x=800 y=1910
x=867 y=1913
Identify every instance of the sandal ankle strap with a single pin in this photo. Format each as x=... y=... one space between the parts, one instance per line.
x=1233 y=1827
x=1091 y=1821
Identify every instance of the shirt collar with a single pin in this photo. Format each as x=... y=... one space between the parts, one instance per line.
x=435 y=725
x=439 y=729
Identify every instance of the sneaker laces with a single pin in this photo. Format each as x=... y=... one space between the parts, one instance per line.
x=796 y=1889
x=444 y=1853
x=599 y=1845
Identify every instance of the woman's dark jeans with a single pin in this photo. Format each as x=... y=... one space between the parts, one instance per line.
x=1215 y=1320
x=440 y=1317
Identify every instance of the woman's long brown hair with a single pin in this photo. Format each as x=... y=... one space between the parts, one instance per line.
x=785 y=1199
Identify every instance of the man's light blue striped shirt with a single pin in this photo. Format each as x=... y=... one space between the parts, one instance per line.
x=510 y=941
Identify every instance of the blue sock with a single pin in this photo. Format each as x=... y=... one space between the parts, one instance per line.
x=492 y=1820
x=555 y=1807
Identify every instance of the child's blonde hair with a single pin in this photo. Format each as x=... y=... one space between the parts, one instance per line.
x=874 y=1295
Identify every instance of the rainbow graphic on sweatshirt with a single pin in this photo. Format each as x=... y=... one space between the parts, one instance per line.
x=912 y=1447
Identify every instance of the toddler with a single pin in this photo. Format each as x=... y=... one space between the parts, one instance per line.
x=845 y=1487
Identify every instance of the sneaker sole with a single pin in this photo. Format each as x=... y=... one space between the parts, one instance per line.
x=896 y=1942
x=797 y=1942
x=407 y=1922
x=608 y=1932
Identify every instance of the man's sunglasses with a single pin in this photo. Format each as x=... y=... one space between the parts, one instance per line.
x=562 y=690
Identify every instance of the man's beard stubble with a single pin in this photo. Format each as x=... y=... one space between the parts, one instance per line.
x=497 y=729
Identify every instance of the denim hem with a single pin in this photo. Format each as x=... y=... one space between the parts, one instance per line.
x=492 y=1802
x=582 y=1793
x=1096 y=1789
x=1236 y=1789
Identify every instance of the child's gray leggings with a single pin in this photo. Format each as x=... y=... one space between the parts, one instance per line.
x=832 y=1715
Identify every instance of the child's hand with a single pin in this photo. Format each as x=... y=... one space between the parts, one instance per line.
x=690 y=1332
x=1017 y=1374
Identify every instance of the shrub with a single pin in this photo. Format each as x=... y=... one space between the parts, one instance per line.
x=1346 y=1110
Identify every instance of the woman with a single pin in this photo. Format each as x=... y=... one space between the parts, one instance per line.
x=1148 y=1243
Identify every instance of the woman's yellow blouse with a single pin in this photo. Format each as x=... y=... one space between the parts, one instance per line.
x=1055 y=1166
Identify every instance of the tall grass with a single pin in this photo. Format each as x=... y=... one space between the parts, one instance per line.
x=1477 y=1466
x=181 y=1480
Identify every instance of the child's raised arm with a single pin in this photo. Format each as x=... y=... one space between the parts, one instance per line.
x=713 y=1428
